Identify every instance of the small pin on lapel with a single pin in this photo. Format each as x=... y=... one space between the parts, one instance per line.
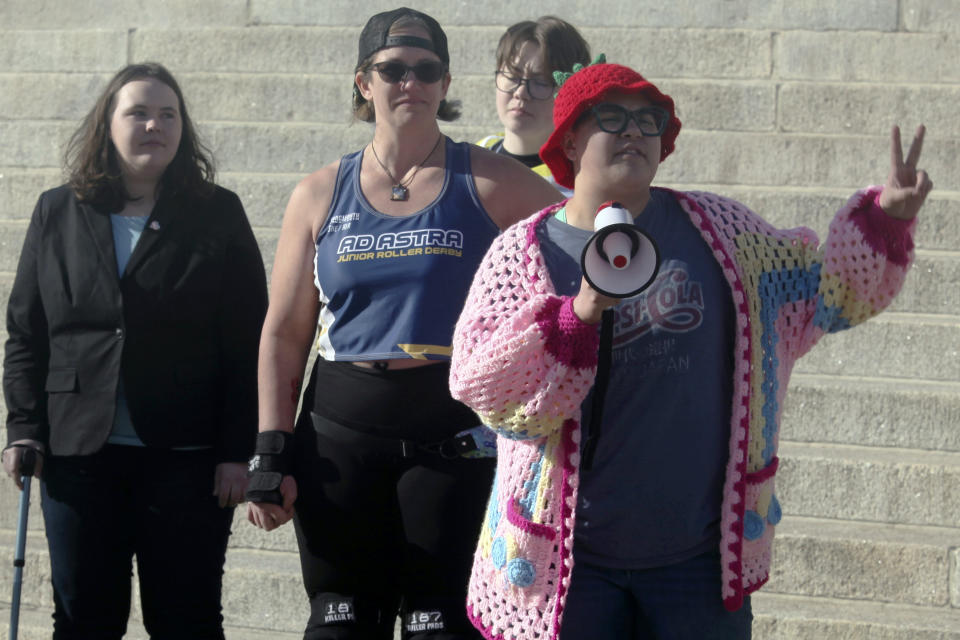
x=155 y=225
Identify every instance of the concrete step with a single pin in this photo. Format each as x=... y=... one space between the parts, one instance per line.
x=731 y=105
x=244 y=535
x=224 y=97
x=848 y=482
x=932 y=284
x=814 y=207
x=267 y=238
x=792 y=55
x=854 y=15
x=761 y=105
x=907 y=564
x=264 y=590
x=735 y=158
x=884 y=563
x=265 y=195
x=928 y=290
x=780 y=617
x=642 y=13
x=286 y=49
x=13 y=232
x=52 y=96
x=929 y=287
x=36 y=590
x=877 y=483
x=33 y=144
x=814 y=56
x=10 y=506
x=892 y=345
x=917 y=348
x=261 y=589
x=872 y=412
x=776 y=617
x=36 y=624
x=908 y=572
x=702 y=157
x=113 y=14
x=833 y=112
x=56 y=50
x=19 y=190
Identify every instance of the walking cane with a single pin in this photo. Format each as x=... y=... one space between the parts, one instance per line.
x=27 y=463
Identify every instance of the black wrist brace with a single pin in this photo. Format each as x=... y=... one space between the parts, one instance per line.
x=272 y=459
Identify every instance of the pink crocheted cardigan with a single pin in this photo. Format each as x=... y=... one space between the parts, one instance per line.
x=524 y=362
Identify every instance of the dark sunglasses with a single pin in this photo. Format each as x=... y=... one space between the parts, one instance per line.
x=429 y=71
x=612 y=118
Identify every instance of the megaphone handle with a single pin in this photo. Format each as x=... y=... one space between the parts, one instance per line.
x=604 y=359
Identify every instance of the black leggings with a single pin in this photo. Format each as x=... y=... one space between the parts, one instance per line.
x=380 y=533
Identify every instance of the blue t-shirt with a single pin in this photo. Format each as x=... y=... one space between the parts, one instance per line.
x=126 y=234
x=654 y=493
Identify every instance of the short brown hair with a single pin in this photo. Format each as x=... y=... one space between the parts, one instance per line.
x=448 y=111
x=561 y=45
x=91 y=160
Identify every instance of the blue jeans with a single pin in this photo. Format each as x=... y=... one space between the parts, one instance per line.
x=101 y=510
x=676 y=602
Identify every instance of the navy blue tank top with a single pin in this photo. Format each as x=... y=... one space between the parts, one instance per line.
x=393 y=286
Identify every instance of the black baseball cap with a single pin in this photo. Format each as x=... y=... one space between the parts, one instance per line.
x=376 y=35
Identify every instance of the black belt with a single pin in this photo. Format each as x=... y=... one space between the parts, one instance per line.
x=450 y=448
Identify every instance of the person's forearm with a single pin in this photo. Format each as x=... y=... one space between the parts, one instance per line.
x=280 y=376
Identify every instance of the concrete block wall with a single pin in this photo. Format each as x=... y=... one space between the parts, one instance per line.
x=786 y=105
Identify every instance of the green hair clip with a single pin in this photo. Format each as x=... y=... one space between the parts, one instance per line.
x=559 y=77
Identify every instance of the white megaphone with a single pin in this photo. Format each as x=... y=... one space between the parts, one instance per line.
x=619 y=260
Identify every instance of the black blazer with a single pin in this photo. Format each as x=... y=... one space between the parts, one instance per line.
x=181 y=326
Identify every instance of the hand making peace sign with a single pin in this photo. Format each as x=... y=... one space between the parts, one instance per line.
x=906 y=187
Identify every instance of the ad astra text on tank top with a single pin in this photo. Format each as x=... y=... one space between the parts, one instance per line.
x=393 y=286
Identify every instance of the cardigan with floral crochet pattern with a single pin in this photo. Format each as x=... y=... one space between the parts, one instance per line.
x=525 y=362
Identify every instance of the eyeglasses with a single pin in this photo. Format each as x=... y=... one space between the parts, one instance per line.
x=612 y=118
x=429 y=71
x=537 y=88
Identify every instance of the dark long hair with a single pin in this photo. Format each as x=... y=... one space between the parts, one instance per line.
x=91 y=159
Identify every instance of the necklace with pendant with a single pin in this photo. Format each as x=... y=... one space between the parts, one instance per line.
x=399 y=190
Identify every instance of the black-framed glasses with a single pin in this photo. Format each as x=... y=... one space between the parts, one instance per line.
x=538 y=88
x=394 y=71
x=612 y=118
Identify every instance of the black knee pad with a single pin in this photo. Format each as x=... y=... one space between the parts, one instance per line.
x=436 y=619
x=335 y=616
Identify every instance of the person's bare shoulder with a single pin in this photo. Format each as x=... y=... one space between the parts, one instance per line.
x=311 y=198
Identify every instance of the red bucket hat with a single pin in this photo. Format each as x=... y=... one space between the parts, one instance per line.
x=589 y=87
